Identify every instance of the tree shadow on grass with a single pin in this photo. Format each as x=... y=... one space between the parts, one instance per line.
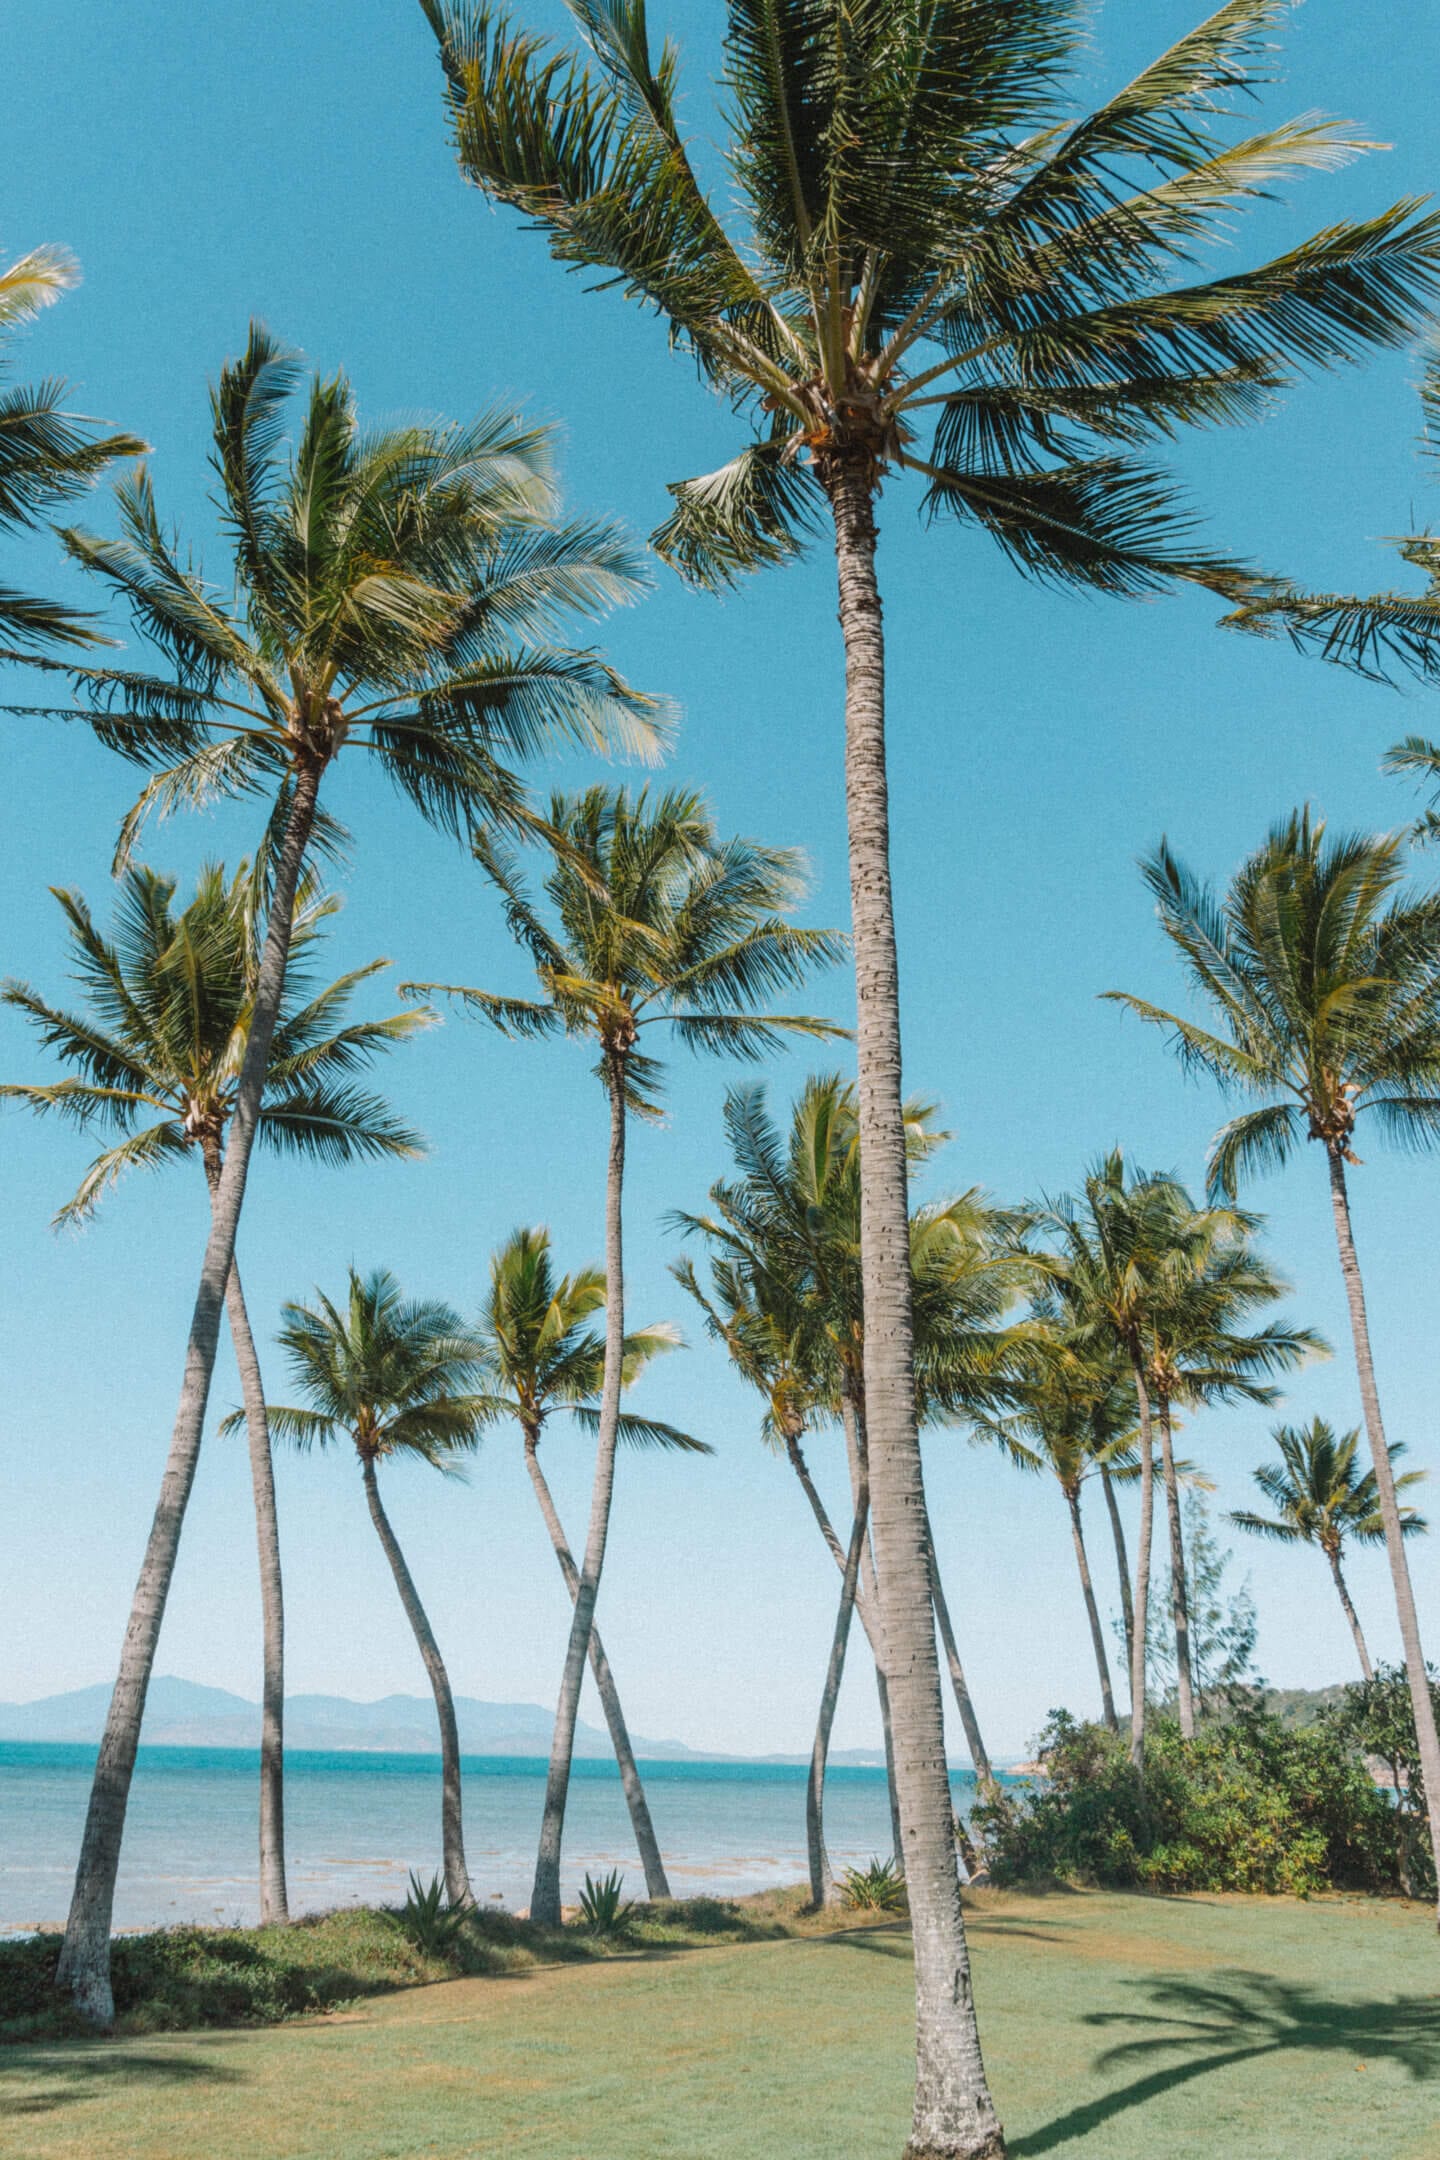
x=1239 y=2017
x=78 y=2073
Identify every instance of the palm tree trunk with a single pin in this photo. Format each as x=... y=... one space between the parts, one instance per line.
x=954 y=2115
x=822 y=1880
x=1122 y=1562
x=1420 y=1697
x=979 y=1756
x=84 y=1965
x=545 y=1893
x=1343 y=1588
x=274 y=1902
x=852 y=1418
x=1140 y=1634
x=452 y=1835
x=1092 y=1610
x=1179 y=1594
x=656 y=1883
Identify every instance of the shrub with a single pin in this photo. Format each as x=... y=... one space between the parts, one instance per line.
x=1246 y=1805
x=428 y=1921
x=880 y=1887
x=602 y=1908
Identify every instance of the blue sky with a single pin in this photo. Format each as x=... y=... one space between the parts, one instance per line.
x=291 y=162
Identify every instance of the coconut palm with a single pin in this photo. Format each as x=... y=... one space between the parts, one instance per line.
x=396 y=1377
x=1321 y=1497
x=1198 y=1354
x=542 y=1356
x=1323 y=977
x=156 y=1052
x=924 y=231
x=396 y=591
x=47 y=455
x=654 y=921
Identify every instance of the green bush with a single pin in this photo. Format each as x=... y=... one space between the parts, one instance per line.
x=1247 y=1805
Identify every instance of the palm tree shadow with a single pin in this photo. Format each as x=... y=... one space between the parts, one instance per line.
x=78 y=2073
x=1237 y=2016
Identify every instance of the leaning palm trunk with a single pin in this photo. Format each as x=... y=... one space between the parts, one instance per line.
x=274 y=1902
x=84 y=1965
x=545 y=1894
x=1140 y=1625
x=1179 y=1594
x=822 y=1880
x=979 y=1755
x=457 y=1875
x=954 y=2115
x=1122 y=1562
x=656 y=1882
x=1092 y=1610
x=1343 y=1591
x=1420 y=1697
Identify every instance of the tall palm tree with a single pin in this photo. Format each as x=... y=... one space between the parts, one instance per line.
x=1323 y=978
x=47 y=455
x=395 y=591
x=1321 y=1497
x=396 y=1377
x=156 y=1052
x=654 y=921
x=1199 y=1354
x=542 y=1356
x=924 y=230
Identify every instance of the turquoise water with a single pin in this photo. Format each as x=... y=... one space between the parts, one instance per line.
x=357 y=1823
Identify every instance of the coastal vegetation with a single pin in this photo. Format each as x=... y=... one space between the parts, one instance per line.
x=931 y=268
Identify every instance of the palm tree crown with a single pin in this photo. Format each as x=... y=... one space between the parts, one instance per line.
x=656 y=922
x=540 y=1353
x=396 y=1376
x=929 y=234
x=1319 y=1493
x=47 y=455
x=1325 y=980
x=158 y=1047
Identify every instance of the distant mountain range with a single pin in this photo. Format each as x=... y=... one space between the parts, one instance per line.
x=182 y=1713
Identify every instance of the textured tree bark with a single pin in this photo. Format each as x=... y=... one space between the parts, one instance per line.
x=1420 y=1698
x=84 y=1965
x=1141 y=1624
x=979 y=1756
x=274 y=1902
x=1122 y=1562
x=1351 y=1615
x=1092 y=1610
x=452 y=1833
x=545 y=1894
x=954 y=2116
x=852 y=1418
x=1179 y=1594
x=656 y=1882
x=822 y=1880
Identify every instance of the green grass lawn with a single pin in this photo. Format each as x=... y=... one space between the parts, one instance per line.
x=1117 y=2027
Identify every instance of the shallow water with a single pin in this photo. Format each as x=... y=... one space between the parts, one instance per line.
x=356 y=1824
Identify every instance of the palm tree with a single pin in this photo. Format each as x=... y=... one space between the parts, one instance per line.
x=156 y=1052
x=1320 y=1497
x=395 y=1376
x=541 y=1356
x=656 y=923
x=396 y=591
x=1198 y=1355
x=47 y=456
x=927 y=232
x=1324 y=979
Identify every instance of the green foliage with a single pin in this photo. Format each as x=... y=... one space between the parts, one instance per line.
x=879 y=1886
x=1377 y=1716
x=1247 y=1805
x=429 y=1921
x=602 y=1907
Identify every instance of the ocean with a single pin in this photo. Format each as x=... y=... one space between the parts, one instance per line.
x=356 y=1824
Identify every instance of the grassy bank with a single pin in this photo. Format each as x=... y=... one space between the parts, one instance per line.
x=1117 y=2027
